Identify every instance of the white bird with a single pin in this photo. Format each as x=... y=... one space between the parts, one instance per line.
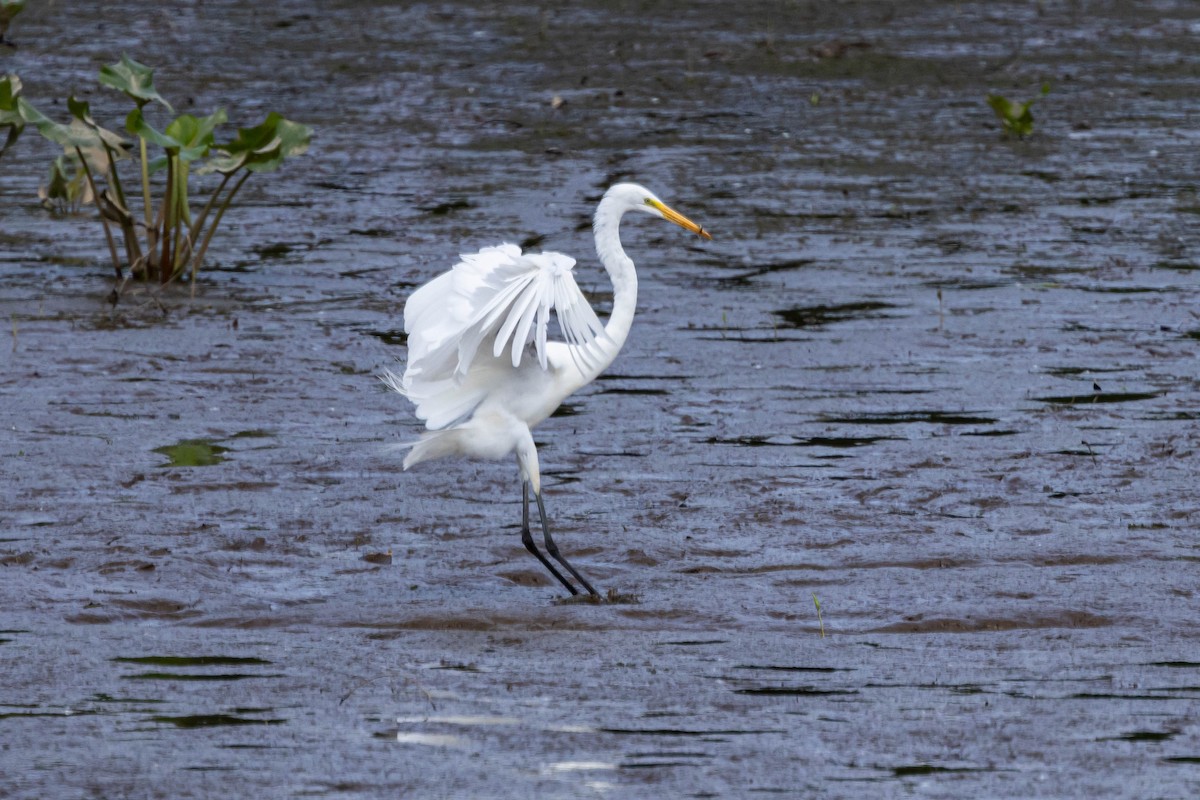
x=480 y=370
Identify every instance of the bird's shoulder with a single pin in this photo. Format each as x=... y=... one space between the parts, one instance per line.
x=508 y=260
x=553 y=263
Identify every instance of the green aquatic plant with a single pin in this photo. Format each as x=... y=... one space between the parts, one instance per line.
x=167 y=240
x=1017 y=118
x=192 y=453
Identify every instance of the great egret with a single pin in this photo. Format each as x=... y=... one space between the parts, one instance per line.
x=480 y=370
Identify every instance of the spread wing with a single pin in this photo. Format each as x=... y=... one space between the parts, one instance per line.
x=496 y=300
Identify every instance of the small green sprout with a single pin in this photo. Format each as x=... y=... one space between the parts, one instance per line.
x=820 y=621
x=1016 y=117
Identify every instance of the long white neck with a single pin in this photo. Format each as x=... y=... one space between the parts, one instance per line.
x=606 y=226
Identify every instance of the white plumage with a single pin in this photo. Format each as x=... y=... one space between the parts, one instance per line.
x=498 y=298
x=481 y=371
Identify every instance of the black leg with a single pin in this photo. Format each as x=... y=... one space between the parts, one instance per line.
x=527 y=540
x=552 y=548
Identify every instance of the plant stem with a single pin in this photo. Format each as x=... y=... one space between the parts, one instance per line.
x=152 y=232
x=133 y=251
x=180 y=209
x=198 y=222
x=165 y=263
x=114 y=178
x=217 y=221
x=112 y=247
x=145 y=183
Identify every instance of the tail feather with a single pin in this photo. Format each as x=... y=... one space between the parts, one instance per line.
x=432 y=444
x=394 y=382
x=435 y=444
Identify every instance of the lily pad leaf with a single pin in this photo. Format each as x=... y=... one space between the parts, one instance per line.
x=134 y=79
x=261 y=148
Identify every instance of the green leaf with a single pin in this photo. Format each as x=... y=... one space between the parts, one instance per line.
x=8 y=10
x=188 y=137
x=135 y=80
x=136 y=124
x=10 y=92
x=81 y=111
x=156 y=164
x=96 y=142
x=1016 y=117
x=195 y=135
x=67 y=187
x=10 y=115
x=10 y=89
x=192 y=453
x=56 y=188
x=85 y=135
x=261 y=148
x=70 y=136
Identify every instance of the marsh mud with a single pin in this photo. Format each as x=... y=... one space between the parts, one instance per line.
x=940 y=381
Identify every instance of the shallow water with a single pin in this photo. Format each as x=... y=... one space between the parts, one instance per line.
x=942 y=382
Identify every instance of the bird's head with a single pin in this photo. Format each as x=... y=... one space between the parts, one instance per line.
x=639 y=198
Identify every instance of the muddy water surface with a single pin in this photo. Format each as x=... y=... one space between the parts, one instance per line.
x=941 y=382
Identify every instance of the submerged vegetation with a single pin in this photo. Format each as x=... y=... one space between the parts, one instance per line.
x=167 y=240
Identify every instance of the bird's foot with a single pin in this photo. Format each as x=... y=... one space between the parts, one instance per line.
x=611 y=597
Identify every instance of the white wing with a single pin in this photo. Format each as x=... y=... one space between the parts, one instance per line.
x=498 y=299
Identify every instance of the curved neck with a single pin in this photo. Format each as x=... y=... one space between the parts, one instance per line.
x=606 y=226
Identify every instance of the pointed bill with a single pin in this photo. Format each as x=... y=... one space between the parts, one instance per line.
x=679 y=219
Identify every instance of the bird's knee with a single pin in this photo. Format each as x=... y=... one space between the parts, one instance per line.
x=527 y=463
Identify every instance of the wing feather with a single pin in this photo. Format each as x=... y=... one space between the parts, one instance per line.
x=523 y=305
x=580 y=326
x=495 y=300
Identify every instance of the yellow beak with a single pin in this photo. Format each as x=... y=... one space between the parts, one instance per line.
x=678 y=219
